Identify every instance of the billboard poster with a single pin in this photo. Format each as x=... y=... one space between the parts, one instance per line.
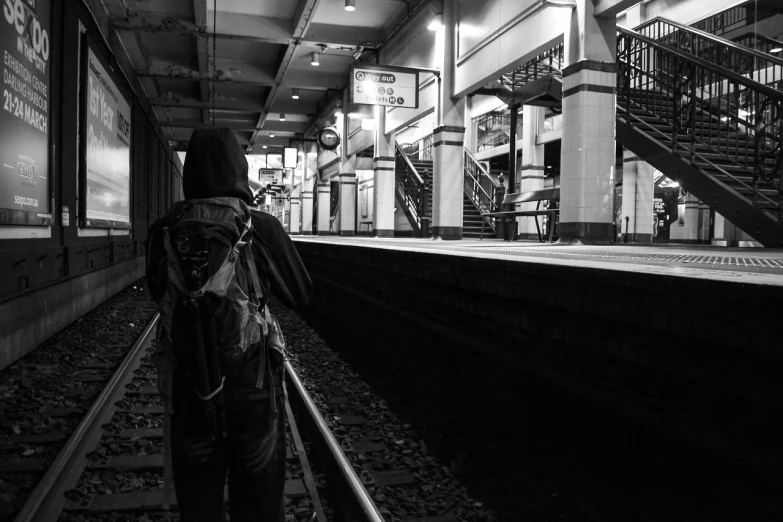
x=106 y=150
x=384 y=85
x=26 y=46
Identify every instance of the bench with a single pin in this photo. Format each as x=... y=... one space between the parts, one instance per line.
x=527 y=197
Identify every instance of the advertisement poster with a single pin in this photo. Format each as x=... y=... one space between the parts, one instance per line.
x=24 y=119
x=107 y=157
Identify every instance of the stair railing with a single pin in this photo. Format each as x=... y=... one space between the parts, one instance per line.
x=756 y=65
x=480 y=188
x=758 y=42
x=701 y=107
x=412 y=190
x=420 y=150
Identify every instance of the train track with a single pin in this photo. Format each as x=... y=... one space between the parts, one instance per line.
x=129 y=398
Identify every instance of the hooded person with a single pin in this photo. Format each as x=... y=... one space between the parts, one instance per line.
x=251 y=448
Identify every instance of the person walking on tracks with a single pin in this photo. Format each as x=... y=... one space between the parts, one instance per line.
x=212 y=263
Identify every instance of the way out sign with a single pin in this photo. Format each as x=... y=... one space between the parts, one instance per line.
x=385 y=85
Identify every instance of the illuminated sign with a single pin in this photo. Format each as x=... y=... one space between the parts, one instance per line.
x=385 y=85
x=106 y=149
x=24 y=114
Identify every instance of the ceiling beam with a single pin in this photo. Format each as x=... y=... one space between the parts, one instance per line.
x=305 y=12
x=251 y=28
x=222 y=105
x=203 y=52
x=271 y=126
x=232 y=71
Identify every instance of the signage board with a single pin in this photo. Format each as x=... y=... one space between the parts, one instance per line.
x=385 y=85
x=267 y=176
x=106 y=150
x=26 y=46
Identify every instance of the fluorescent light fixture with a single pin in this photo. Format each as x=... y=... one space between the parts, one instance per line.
x=776 y=50
x=436 y=22
x=263 y=146
x=350 y=5
x=282 y=117
x=725 y=118
x=315 y=59
x=271 y=135
x=295 y=94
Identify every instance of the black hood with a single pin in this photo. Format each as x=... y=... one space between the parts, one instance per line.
x=215 y=166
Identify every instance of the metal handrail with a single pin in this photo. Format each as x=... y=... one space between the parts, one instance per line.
x=701 y=62
x=481 y=167
x=716 y=50
x=484 y=201
x=409 y=164
x=697 y=108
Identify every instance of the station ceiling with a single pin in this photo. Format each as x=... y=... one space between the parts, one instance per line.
x=239 y=63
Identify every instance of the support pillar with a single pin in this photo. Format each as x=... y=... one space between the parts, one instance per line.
x=383 y=178
x=638 y=196
x=448 y=141
x=346 y=180
x=686 y=228
x=308 y=187
x=294 y=219
x=587 y=153
x=531 y=172
x=704 y=223
x=323 y=193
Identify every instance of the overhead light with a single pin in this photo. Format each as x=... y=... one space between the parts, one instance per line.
x=315 y=59
x=358 y=52
x=350 y=5
x=282 y=117
x=776 y=50
x=295 y=94
x=725 y=118
x=271 y=135
x=263 y=147
x=436 y=22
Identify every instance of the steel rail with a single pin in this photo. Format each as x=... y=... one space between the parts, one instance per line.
x=705 y=64
x=356 y=505
x=717 y=40
x=48 y=499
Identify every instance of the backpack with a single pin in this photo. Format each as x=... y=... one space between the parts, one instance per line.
x=213 y=316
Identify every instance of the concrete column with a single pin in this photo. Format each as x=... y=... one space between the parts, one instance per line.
x=308 y=186
x=531 y=170
x=638 y=195
x=587 y=152
x=383 y=178
x=704 y=222
x=323 y=194
x=345 y=222
x=686 y=228
x=448 y=141
x=294 y=220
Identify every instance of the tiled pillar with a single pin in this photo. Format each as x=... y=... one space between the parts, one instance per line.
x=448 y=141
x=296 y=206
x=308 y=187
x=587 y=151
x=447 y=182
x=323 y=193
x=345 y=222
x=686 y=228
x=383 y=179
x=725 y=233
x=638 y=195
x=704 y=222
x=531 y=170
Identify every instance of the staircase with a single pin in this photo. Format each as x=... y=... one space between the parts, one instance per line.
x=471 y=219
x=716 y=132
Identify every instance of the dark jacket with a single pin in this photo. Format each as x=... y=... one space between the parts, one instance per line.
x=215 y=166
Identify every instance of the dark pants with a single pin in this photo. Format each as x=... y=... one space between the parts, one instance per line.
x=253 y=454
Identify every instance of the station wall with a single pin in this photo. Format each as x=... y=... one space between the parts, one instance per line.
x=51 y=275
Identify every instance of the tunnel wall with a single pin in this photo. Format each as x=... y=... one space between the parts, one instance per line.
x=690 y=353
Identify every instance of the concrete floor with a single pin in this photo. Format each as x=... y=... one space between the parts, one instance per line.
x=761 y=266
